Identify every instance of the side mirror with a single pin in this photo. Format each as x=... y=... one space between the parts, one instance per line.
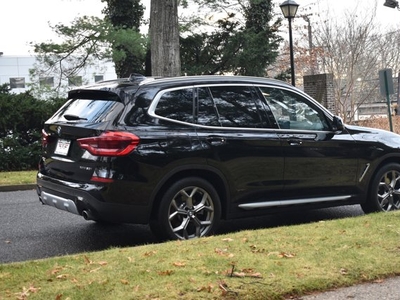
x=337 y=124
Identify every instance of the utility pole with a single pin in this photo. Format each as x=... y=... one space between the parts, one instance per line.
x=310 y=43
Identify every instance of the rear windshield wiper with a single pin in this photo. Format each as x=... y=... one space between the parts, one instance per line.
x=73 y=117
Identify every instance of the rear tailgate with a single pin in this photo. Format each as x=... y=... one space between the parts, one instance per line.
x=89 y=115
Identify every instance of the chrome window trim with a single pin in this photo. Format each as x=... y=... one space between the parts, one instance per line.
x=154 y=103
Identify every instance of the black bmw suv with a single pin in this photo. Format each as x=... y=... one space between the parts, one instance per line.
x=183 y=153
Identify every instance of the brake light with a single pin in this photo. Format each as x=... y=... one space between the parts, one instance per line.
x=110 y=143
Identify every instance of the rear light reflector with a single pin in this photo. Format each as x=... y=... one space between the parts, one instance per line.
x=100 y=179
x=110 y=143
x=46 y=138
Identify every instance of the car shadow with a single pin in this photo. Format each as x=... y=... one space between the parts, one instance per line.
x=97 y=236
x=302 y=216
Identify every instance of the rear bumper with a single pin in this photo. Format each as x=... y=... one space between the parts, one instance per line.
x=57 y=202
x=86 y=200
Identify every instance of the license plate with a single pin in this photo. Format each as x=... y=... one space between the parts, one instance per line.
x=62 y=147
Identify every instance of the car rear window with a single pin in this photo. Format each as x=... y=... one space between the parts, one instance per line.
x=89 y=110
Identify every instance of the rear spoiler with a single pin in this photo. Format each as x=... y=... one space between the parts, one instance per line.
x=95 y=94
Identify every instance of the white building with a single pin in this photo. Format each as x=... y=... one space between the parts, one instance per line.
x=14 y=70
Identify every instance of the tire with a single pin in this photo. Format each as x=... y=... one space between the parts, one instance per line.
x=189 y=209
x=384 y=193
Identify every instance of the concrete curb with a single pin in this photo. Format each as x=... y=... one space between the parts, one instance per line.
x=19 y=187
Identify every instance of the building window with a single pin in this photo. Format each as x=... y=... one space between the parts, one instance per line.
x=98 y=78
x=17 y=82
x=46 y=81
x=75 y=81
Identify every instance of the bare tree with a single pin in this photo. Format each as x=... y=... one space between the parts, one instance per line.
x=354 y=49
x=164 y=38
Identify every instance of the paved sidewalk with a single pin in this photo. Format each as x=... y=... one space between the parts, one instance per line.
x=387 y=289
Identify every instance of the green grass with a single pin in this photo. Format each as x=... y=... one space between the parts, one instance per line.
x=259 y=264
x=18 y=177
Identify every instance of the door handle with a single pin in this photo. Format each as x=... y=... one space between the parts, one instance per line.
x=216 y=141
x=295 y=142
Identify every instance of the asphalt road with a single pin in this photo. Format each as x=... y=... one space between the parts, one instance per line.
x=30 y=230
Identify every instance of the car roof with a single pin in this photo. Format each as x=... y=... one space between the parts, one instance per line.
x=131 y=84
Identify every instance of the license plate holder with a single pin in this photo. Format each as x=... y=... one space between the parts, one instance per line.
x=62 y=147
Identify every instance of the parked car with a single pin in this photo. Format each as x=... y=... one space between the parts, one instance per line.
x=183 y=153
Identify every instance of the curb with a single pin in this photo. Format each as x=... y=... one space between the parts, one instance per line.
x=19 y=187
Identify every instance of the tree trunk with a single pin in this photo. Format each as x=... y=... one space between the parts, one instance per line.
x=164 y=38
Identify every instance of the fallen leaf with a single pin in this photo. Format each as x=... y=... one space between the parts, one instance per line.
x=207 y=288
x=26 y=292
x=94 y=270
x=238 y=274
x=102 y=263
x=150 y=253
x=343 y=271
x=124 y=281
x=227 y=240
x=223 y=252
x=166 y=273
x=255 y=275
x=243 y=273
x=179 y=264
x=56 y=270
x=286 y=255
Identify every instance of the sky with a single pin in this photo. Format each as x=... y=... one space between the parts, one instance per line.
x=26 y=21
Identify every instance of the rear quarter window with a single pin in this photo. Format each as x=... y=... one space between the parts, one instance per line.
x=176 y=105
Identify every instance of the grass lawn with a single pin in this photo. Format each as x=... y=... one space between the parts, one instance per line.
x=273 y=263
x=18 y=177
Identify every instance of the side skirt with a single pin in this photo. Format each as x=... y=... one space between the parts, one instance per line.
x=250 y=206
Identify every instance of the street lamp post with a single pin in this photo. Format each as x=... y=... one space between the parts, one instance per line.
x=289 y=9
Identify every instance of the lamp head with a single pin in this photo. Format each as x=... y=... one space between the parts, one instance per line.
x=289 y=8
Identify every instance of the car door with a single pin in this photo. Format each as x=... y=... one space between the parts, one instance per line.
x=319 y=165
x=238 y=142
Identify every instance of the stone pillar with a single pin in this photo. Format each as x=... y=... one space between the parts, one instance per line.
x=320 y=87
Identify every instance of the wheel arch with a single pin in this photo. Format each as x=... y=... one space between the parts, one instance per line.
x=214 y=177
x=385 y=161
x=368 y=204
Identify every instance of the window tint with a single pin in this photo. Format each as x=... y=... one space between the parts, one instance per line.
x=292 y=111
x=176 y=105
x=92 y=111
x=236 y=106
x=206 y=112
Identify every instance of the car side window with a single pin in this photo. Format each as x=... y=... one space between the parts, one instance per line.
x=177 y=105
x=206 y=110
x=236 y=106
x=292 y=111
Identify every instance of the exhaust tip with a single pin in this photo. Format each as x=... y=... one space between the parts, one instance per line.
x=87 y=215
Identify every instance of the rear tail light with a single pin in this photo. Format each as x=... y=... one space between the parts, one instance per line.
x=110 y=143
x=46 y=138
